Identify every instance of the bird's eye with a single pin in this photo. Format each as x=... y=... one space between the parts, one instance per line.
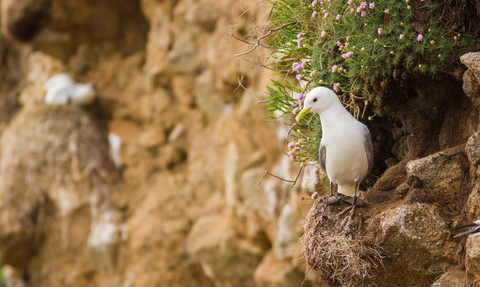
x=314 y=100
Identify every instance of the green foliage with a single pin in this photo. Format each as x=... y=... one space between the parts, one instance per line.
x=350 y=46
x=2 y=281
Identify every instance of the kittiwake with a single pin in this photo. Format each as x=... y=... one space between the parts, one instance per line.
x=346 y=149
x=62 y=89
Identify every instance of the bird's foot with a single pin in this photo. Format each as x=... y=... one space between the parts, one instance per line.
x=332 y=200
x=354 y=201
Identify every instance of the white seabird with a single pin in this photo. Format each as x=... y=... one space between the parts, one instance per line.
x=62 y=89
x=471 y=232
x=346 y=150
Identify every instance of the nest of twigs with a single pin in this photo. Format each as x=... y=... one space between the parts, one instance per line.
x=333 y=247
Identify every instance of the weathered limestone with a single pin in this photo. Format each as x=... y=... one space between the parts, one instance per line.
x=226 y=258
x=454 y=277
x=441 y=173
x=272 y=273
x=417 y=239
x=472 y=261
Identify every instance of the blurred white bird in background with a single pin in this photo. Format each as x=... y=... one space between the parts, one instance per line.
x=62 y=89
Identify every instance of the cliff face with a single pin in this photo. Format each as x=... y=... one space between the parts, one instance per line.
x=185 y=207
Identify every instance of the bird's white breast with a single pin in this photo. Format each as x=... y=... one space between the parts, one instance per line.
x=346 y=158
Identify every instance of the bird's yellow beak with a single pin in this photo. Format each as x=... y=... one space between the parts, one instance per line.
x=301 y=114
x=42 y=90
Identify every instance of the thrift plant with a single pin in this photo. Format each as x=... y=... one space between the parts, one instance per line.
x=350 y=46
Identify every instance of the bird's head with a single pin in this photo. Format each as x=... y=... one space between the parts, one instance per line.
x=317 y=100
x=58 y=80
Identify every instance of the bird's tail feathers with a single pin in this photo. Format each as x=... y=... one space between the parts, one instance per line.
x=348 y=190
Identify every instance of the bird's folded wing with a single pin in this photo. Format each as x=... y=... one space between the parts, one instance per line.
x=322 y=158
x=367 y=142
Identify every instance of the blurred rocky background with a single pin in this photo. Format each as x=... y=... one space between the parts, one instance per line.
x=178 y=203
x=182 y=208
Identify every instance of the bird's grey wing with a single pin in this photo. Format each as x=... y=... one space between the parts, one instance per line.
x=322 y=158
x=367 y=142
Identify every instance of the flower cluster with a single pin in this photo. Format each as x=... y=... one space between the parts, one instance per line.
x=347 y=55
x=294 y=148
x=298 y=68
x=300 y=39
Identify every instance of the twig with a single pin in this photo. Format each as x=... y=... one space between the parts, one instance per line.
x=266 y=172
x=258 y=43
x=241 y=85
x=298 y=175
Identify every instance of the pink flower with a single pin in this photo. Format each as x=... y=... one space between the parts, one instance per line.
x=339 y=44
x=364 y=13
x=300 y=35
x=351 y=10
x=371 y=5
x=315 y=193
x=334 y=68
x=295 y=111
x=420 y=37
x=387 y=11
x=335 y=87
x=315 y=171
x=301 y=97
x=338 y=17
x=314 y=3
x=350 y=2
x=323 y=34
x=292 y=157
x=314 y=14
x=401 y=36
x=349 y=54
x=380 y=30
x=298 y=67
x=299 y=77
x=299 y=42
x=326 y=15
x=291 y=145
x=363 y=5
x=359 y=9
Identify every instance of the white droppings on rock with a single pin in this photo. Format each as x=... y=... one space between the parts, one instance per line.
x=103 y=234
x=115 y=143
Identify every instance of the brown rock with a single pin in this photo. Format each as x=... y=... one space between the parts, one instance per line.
x=288 y=232
x=472 y=261
x=416 y=239
x=184 y=56
x=472 y=207
x=471 y=87
x=472 y=61
x=454 y=277
x=206 y=95
x=226 y=258
x=272 y=273
x=441 y=173
x=472 y=150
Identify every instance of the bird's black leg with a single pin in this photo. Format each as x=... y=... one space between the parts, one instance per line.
x=332 y=199
x=355 y=201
